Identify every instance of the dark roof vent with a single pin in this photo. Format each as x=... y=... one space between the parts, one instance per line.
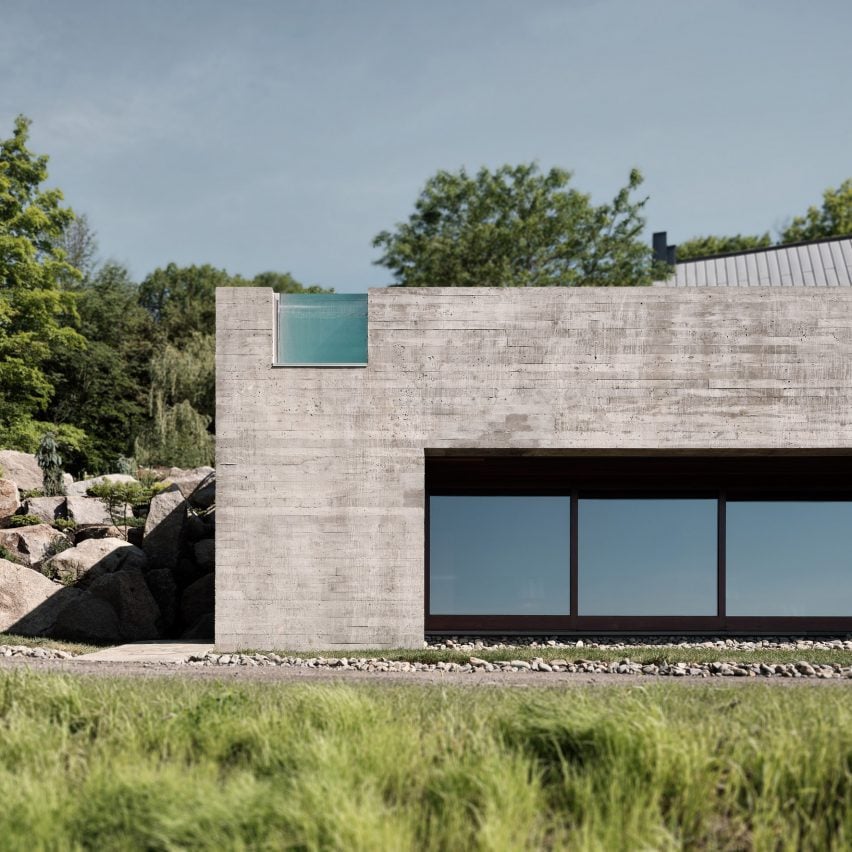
x=662 y=250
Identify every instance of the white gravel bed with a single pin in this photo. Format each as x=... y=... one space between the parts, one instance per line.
x=785 y=643
x=36 y=653
x=476 y=665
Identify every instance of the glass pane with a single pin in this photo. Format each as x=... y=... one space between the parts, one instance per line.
x=647 y=557
x=789 y=558
x=322 y=328
x=499 y=555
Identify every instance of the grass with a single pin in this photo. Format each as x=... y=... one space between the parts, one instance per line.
x=635 y=654
x=41 y=642
x=164 y=765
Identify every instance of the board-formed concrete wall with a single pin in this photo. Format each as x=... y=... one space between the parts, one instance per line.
x=320 y=471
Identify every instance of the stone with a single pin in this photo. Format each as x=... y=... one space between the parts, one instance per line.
x=22 y=593
x=79 y=489
x=202 y=630
x=87 y=511
x=198 y=599
x=162 y=585
x=22 y=469
x=86 y=618
x=47 y=509
x=94 y=557
x=197 y=485
x=9 y=500
x=164 y=528
x=30 y=545
x=98 y=531
x=205 y=554
x=127 y=593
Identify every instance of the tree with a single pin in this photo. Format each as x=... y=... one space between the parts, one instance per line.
x=50 y=462
x=80 y=244
x=709 y=246
x=104 y=389
x=37 y=317
x=517 y=227
x=833 y=219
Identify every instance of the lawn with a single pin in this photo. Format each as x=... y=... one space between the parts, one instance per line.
x=41 y=642
x=179 y=764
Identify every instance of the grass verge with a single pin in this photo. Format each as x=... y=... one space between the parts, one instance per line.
x=128 y=764
x=41 y=642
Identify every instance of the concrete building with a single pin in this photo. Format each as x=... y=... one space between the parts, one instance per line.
x=554 y=460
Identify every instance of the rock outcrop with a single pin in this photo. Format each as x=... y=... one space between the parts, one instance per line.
x=31 y=545
x=93 y=557
x=9 y=500
x=47 y=509
x=22 y=469
x=164 y=528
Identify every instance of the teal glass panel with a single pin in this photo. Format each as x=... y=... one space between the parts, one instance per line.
x=322 y=328
x=499 y=555
x=790 y=557
x=647 y=556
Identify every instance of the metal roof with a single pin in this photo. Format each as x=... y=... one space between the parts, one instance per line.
x=825 y=263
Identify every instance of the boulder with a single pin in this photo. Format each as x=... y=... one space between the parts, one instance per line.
x=164 y=528
x=9 y=500
x=187 y=572
x=22 y=469
x=23 y=592
x=163 y=587
x=85 y=617
x=88 y=511
x=198 y=485
x=205 y=554
x=32 y=544
x=46 y=508
x=78 y=489
x=127 y=593
x=93 y=558
x=100 y=531
x=203 y=630
x=198 y=599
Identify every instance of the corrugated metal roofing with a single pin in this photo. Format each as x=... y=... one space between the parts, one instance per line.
x=827 y=263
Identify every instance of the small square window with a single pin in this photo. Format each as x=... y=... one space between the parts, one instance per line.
x=322 y=329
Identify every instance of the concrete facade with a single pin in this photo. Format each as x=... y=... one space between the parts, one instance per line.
x=320 y=471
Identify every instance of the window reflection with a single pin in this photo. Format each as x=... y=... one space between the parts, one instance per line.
x=499 y=555
x=647 y=557
x=789 y=558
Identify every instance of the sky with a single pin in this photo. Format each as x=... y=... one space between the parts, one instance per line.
x=284 y=135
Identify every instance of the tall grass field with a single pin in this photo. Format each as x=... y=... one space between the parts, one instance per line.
x=89 y=763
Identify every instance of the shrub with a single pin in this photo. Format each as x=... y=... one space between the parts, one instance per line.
x=32 y=492
x=24 y=520
x=8 y=555
x=65 y=525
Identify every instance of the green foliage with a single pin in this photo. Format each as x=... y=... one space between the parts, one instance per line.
x=57 y=545
x=176 y=436
x=119 y=498
x=65 y=525
x=8 y=555
x=188 y=764
x=833 y=219
x=32 y=492
x=50 y=462
x=104 y=389
x=517 y=227
x=126 y=465
x=709 y=246
x=23 y=520
x=37 y=317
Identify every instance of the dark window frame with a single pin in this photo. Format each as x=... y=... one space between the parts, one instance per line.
x=725 y=478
